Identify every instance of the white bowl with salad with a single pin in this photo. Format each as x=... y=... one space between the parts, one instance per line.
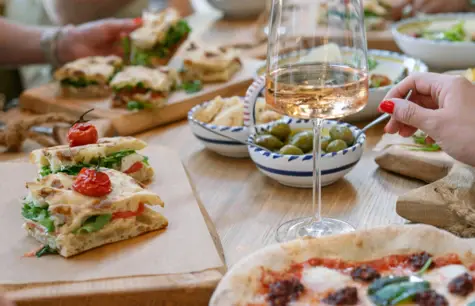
x=443 y=41
x=386 y=68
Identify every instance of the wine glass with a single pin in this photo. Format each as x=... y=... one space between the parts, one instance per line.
x=323 y=76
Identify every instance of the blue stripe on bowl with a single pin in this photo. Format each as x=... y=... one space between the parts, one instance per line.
x=215 y=141
x=305 y=173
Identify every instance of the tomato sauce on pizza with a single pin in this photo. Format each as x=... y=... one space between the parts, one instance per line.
x=412 y=279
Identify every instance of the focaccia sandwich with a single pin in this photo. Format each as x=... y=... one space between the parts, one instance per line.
x=159 y=38
x=118 y=153
x=72 y=214
x=210 y=64
x=138 y=87
x=88 y=77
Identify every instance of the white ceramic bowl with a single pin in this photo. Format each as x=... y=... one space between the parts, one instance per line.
x=239 y=9
x=390 y=61
x=216 y=143
x=436 y=54
x=296 y=170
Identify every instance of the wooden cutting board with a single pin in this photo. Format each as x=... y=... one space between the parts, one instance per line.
x=446 y=201
x=190 y=288
x=44 y=99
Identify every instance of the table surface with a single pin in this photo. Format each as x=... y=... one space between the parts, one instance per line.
x=247 y=207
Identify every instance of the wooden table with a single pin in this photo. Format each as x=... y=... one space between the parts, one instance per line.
x=247 y=207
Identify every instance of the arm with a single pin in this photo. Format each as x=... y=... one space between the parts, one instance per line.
x=20 y=45
x=64 y=12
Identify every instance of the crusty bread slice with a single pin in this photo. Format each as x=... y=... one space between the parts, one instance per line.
x=121 y=229
x=89 y=92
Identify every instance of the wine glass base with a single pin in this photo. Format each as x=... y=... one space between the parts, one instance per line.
x=304 y=227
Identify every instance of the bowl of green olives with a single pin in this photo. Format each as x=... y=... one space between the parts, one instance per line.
x=289 y=143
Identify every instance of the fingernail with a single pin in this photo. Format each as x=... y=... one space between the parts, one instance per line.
x=387 y=106
x=138 y=21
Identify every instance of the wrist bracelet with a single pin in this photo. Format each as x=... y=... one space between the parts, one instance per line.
x=48 y=45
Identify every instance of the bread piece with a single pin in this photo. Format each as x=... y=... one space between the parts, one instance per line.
x=210 y=64
x=69 y=210
x=63 y=157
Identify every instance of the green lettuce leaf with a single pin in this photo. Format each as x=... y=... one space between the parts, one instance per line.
x=133 y=105
x=80 y=83
x=94 y=224
x=38 y=214
x=46 y=250
x=113 y=159
x=192 y=86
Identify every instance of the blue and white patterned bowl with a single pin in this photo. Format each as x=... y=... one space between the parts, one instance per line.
x=296 y=170
x=436 y=54
x=218 y=144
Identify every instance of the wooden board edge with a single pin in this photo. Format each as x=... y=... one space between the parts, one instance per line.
x=30 y=102
x=137 y=122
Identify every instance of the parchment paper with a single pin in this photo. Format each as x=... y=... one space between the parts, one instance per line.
x=185 y=246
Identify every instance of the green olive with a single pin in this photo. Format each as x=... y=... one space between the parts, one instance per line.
x=290 y=150
x=269 y=142
x=336 y=145
x=280 y=130
x=324 y=141
x=343 y=133
x=303 y=140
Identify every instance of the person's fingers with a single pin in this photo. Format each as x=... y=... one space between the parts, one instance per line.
x=422 y=84
x=409 y=114
x=117 y=27
x=407 y=130
x=392 y=127
x=398 y=8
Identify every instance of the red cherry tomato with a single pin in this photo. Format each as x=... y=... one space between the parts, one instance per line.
x=92 y=183
x=82 y=133
x=134 y=168
x=128 y=214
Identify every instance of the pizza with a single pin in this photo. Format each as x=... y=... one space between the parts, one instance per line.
x=138 y=87
x=69 y=214
x=210 y=64
x=118 y=153
x=395 y=265
x=87 y=77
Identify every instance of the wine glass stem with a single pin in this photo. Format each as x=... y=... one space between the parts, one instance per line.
x=317 y=183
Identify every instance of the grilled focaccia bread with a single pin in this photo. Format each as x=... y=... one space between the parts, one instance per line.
x=119 y=153
x=68 y=222
x=211 y=64
x=88 y=77
x=159 y=38
x=138 y=87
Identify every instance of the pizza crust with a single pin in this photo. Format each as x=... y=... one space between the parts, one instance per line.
x=238 y=285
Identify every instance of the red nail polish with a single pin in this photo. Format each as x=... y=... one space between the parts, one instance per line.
x=387 y=106
x=138 y=21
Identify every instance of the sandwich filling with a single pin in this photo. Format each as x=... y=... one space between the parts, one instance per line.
x=138 y=87
x=158 y=37
x=88 y=71
x=118 y=153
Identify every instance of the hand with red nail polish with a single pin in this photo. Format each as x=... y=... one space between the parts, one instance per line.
x=442 y=106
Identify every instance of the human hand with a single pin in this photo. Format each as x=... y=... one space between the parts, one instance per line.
x=428 y=6
x=442 y=106
x=94 y=38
